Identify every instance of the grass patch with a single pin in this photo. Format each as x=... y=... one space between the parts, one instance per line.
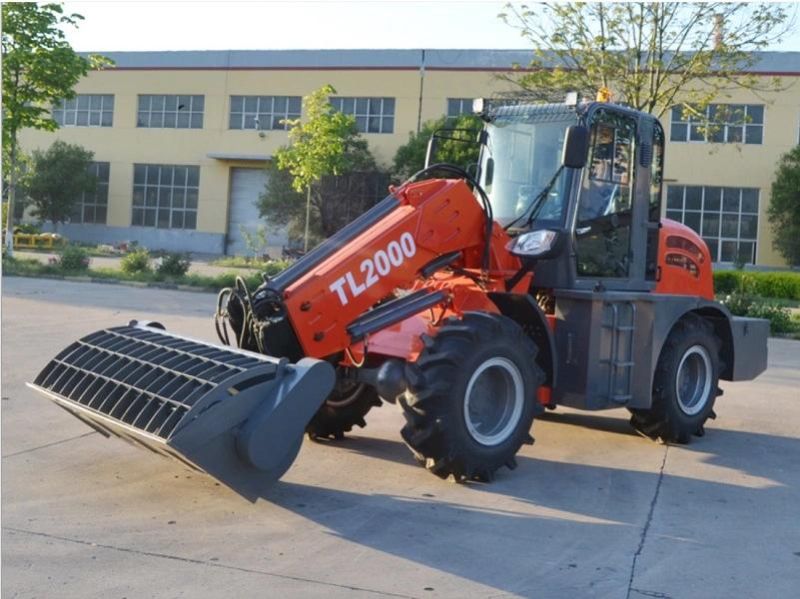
x=238 y=262
x=30 y=267
x=94 y=251
x=270 y=267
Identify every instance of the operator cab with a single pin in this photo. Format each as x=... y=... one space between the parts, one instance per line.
x=579 y=185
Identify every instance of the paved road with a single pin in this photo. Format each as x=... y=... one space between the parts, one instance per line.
x=592 y=511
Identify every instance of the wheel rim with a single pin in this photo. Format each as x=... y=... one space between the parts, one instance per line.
x=345 y=393
x=693 y=380
x=494 y=400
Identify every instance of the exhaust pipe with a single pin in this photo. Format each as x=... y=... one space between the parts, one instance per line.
x=236 y=415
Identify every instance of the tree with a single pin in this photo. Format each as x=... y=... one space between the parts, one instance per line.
x=59 y=177
x=651 y=55
x=410 y=157
x=335 y=199
x=21 y=170
x=784 y=207
x=40 y=68
x=282 y=206
x=326 y=143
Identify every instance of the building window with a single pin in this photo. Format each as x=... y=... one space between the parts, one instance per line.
x=726 y=218
x=170 y=112
x=458 y=106
x=165 y=196
x=373 y=115
x=263 y=112
x=85 y=110
x=720 y=123
x=92 y=207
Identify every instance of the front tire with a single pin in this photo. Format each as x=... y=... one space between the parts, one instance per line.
x=344 y=408
x=472 y=397
x=685 y=384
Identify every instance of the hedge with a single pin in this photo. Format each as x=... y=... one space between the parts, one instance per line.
x=777 y=285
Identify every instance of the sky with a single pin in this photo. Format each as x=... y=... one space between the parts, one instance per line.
x=319 y=24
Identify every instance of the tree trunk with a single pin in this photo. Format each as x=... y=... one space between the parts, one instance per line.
x=308 y=217
x=12 y=192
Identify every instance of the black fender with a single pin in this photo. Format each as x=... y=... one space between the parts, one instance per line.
x=720 y=318
x=524 y=310
x=744 y=340
x=675 y=308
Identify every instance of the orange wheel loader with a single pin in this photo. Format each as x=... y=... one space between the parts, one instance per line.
x=472 y=302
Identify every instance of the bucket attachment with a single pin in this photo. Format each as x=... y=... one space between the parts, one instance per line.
x=236 y=415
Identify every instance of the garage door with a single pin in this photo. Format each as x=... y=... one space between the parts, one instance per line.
x=247 y=184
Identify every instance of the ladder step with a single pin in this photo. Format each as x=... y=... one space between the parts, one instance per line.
x=617 y=363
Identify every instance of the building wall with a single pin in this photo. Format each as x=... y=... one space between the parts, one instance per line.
x=743 y=165
x=124 y=144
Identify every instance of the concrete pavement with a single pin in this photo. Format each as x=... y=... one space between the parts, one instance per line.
x=593 y=510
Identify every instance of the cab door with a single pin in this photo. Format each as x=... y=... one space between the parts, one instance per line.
x=612 y=213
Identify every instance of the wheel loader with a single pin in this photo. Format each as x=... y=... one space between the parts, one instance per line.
x=472 y=301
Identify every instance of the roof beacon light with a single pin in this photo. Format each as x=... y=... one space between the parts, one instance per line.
x=603 y=95
x=479 y=105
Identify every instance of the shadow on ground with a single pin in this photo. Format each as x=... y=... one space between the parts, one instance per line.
x=574 y=527
x=770 y=457
x=548 y=529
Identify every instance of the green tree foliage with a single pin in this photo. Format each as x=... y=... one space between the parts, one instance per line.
x=335 y=201
x=461 y=151
x=39 y=69
x=784 y=207
x=59 y=177
x=282 y=206
x=21 y=170
x=327 y=142
x=652 y=55
x=325 y=150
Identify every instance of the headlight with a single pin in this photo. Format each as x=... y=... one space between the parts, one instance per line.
x=532 y=244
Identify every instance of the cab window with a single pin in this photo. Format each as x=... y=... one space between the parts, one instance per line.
x=603 y=225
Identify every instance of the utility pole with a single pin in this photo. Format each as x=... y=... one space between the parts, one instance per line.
x=421 y=90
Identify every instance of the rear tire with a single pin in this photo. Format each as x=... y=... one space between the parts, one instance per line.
x=344 y=408
x=471 y=397
x=685 y=384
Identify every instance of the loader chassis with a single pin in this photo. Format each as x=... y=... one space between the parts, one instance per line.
x=608 y=344
x=472 y=303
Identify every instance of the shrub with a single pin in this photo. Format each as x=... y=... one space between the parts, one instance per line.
x=780 y=319
x=73 y=258
x=27 y=229
x=741 y=304
x=738 y=303
x=136 y=261
x=726 y=281
x=272 y=268
x=778 y=285
x=784 y=285
x=174 y=265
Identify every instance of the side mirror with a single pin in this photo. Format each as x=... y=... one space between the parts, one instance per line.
x=489 y=175
x=576 y=147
